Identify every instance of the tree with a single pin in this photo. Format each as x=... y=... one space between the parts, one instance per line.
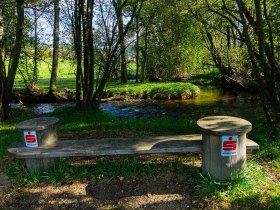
x=55 y=47
x=81 y=17
x=35 y=58
x=2 y=67
x=118 y=6
x=87 y=17
x=252 y=26
x=137 y=16
x=7 y=81
x=168 y=26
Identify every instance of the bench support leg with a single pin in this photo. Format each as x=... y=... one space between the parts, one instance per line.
x=39 y=163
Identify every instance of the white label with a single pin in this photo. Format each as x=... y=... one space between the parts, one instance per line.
x=229 y=145
x=30 y=138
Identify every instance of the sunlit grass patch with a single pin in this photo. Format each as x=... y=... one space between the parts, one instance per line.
x=170 y=90
x=252 y=189
x=249 y=180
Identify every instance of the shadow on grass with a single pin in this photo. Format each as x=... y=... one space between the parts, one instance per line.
x=114 y=183
x=145 y=182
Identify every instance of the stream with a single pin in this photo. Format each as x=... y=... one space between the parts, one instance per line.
x=211 y=101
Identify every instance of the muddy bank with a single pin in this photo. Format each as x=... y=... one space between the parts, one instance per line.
x=37 y=96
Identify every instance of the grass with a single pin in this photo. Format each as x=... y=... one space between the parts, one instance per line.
x=102 y=124
x=212 y=78
x=65 y=172
x=66 y=79
x=66 y=75
x=7 y=130
x=170 y=90
x=252 y=189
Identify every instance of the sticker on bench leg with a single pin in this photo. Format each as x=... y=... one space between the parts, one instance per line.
x=229 y=145
x=30 y=138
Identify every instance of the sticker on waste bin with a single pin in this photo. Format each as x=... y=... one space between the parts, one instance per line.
x=30 y=138
x=229 y=145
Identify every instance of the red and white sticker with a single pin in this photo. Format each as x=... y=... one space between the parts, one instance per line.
x=229 y=145
x=30 y=138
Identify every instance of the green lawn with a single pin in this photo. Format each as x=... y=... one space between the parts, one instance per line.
x=155 y=90
x=66 y=75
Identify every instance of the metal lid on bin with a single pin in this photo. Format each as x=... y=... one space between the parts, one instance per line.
x=39 y=123
x=224 y=125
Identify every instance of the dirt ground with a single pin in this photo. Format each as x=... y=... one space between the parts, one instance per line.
x=166 y=192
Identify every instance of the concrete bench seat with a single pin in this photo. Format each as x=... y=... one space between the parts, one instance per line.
x=42 y=157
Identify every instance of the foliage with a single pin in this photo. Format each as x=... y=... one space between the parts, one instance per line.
x=172 y=36
x=241 y=36
x=268 y=136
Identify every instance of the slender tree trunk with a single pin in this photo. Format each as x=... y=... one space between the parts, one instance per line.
x=15 y=57
x=91 y=50
x=86 y=54
x=55 y=47
x=144 y=66
x=35 y=69
x=137 y=41
x=2 y=72
x=87 y=16
x=137 y=48
x=78 y=48
x=119 y=12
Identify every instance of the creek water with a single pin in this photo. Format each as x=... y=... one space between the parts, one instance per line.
x=211 y=101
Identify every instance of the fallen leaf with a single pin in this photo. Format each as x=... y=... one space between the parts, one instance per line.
x=53 y=202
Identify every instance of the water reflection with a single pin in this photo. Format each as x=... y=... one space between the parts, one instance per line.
x=211 y=101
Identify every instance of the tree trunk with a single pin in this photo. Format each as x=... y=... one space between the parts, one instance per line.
x=264 y=72
x=35 y=59
x=119 y=12
x=87 y=15
x=78 y=48
x=137 y=48
x=15 y=58
x=86 y=54
x=144 y=66
x=2 y=72
x=55 y=47
x=268 y=70
x=91 y=49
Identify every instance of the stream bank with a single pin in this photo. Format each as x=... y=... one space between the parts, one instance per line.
x=211 y=101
